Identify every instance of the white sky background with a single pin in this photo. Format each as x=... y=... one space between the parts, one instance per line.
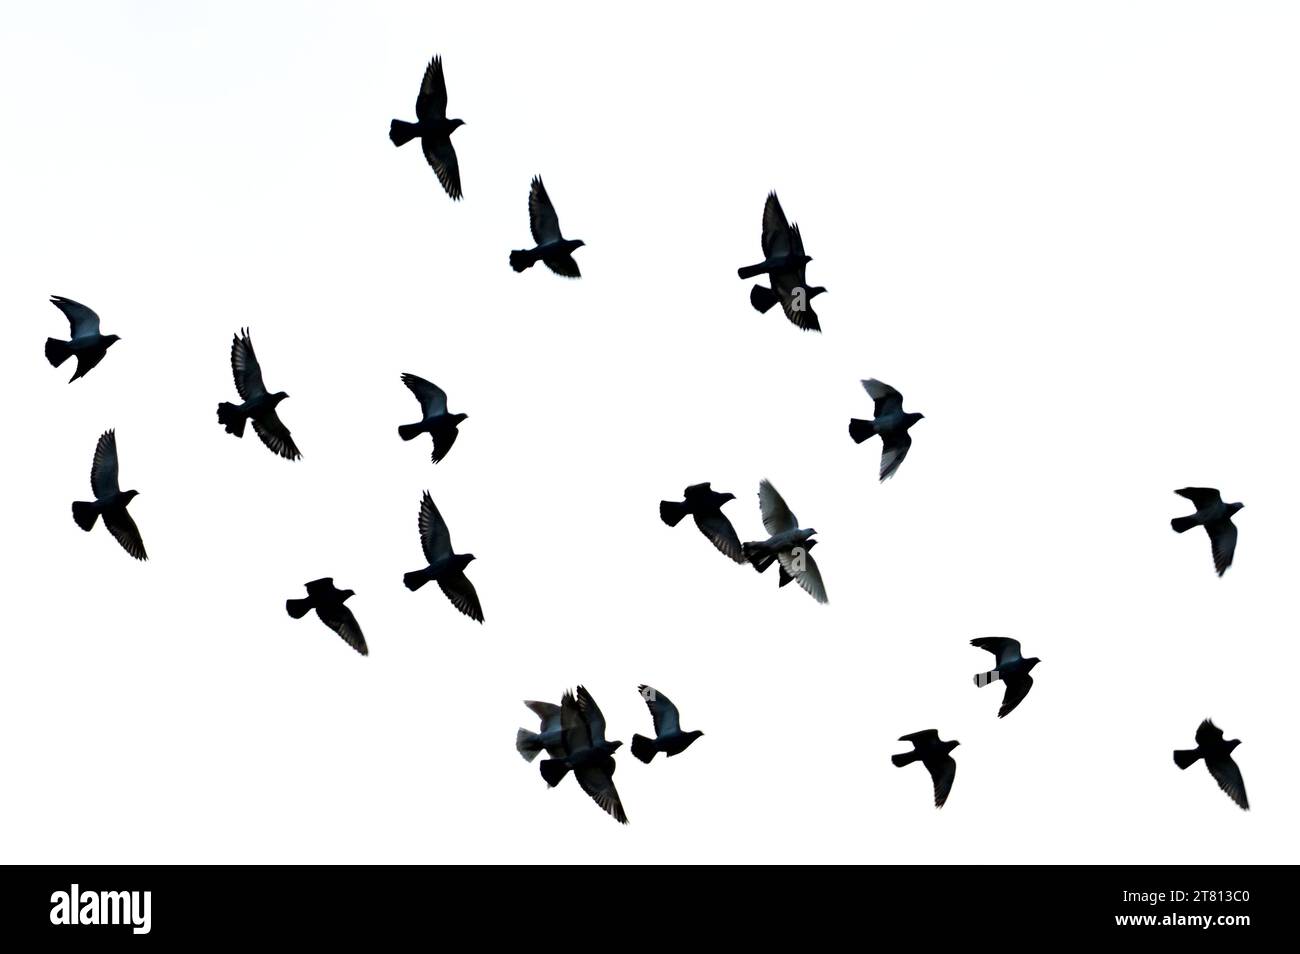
x=1066 y=232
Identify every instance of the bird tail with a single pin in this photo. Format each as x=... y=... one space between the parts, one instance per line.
x=907 y=758
x=528 y=744
x=759 y=560
x=860 y=430
x=643 y=748
x=401 y=132
x=415 y=579
x=1185 y=758
x=751 y=271
x=229 y=417
x=298 y=608
x=762 y=298
x=553 y=770
x=1182 y=524
x=409 y=432
x=84 y=513
x=56 y=351
x=672 y=513
x=984 y=678
x=521 y=259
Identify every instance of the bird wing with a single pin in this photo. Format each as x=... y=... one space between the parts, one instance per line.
x=432 y=101
x=1005 y=649
x=597 y=780
x=894 y=448
x=719 y=531
x=1228 y=775
x=340 y=619
x=433 y=399
x=918 y=739
x=103 y=469
x=776 y=230
x=442 y=442
x=1208 y=734
x=943 y=771
x=548 y=712
x=275 y=435
x=441 y=156
x=1202 y=497
x=573 y=725
x=435 y=538
x=662 y=711
x=591 y=712
x=563 y=265
x=541 y=215
x=1017 y=688
x=1223 y=543
x=888 y=400
x=83 y=320
x=124 y=530
x=804 y=571
x=457 y=588
x=777 y=517
x=248 y=373
x=323 y=587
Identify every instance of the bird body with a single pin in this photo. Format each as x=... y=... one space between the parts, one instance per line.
x=787 y=544
x=1012 y=669
x=552 y=248
x=1217 y=753
x=433 y=129
x=327 y=600
x=891 y=423
x=258 y=404
x=1216 y=517
x=435 y=419
x=669 y=737
x=86 y=344
x=704 y=504
x=110 y=500
x=933 y=753
x=445 y=566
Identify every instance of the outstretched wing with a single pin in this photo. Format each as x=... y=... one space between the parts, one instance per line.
x=275 y=435
x=1202 y=497
x=777 y=517
x=432 y=101
x=662 y=711
x=435 y=538
x=541 y=215
x=918 y=739
x=1208 y=734
x=591 y=712
x=1005 y=649
x=776 y=230
x=1223 y=543
x=441 y=156
x=1228 y=775
x=563 y=265
x=103 y=469
x=1017 y=688
x=340 y=619
x=719 y=531
x=248 y=373
x=803 y=569
x=457 y=588
x=83 y=320
x=597 y=780
x=943 y=770
x=125 y=532
x=573 y=725
x=894 y=448
x=888 y=400
x=433 y=399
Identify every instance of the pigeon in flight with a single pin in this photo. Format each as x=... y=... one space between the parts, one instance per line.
x=669 y=737
x=110 y=500
x=552 y=248
x=433 y=127
x=786 y=545
x=435 y=420
x=789 y=282
x=585 y=753
x=1210 y=745
x=891 y=423
x=259 y=405
x=933 y=754
x=549 y=737
x=1216 y=517
x=705 y=505
x=1012 y=668
x=327 y=600
x=779 y=249
x=87 y=344
x=445 y=566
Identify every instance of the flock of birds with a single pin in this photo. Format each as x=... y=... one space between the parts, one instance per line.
x=572 y=733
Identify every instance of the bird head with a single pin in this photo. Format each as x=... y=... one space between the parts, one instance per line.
x=466 y=559
x=456 y=124
x=110 y=340
x=279 y=396
x=613 y=746
x=694 y=734
x=1232 y=744
x=810 y=531
x=814 y=292
x=459 y=417
x=578 y=243
x=346 y=594
x=1031 y=662
x=953 y=744
x=131 y=495
x=1234 y=507
x=724 y=497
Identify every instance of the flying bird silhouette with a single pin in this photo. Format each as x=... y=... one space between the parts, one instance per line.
x=1012 y=669
x=433 y=128
x=549 y=737
x=446 y=567
x=1216 y=517
x=552 y=248
x=586 y=754
x=327 y=600
x=783 y=245
x=786 y=544
x=1210 y=745
x=87 y=344
x=705 y=505
x=892 y=424
x=435 y=420
x=258 y=404
x=933 y=754
x=779 y=249
x=110 y=500
x=669 y=737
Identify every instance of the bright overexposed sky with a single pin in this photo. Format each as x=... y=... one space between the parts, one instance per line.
x=1066 y=232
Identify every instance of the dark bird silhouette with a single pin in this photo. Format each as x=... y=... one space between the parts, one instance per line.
x=446 y=567
x=1211 y=746
x=1012 y=669
x=259 y=404
x=549 y=737
x=786 y=544
x=87 y=344
x=327 y=600
x=669 y=737
x=933 y=754
x=1216 y=517
x=780 y=252
x=552 y=248
x=433 y=128
x=705 y=505
x=435 y=420
x=110 y=500
x=892 y=424
x=790 y=290
x=585 y=753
